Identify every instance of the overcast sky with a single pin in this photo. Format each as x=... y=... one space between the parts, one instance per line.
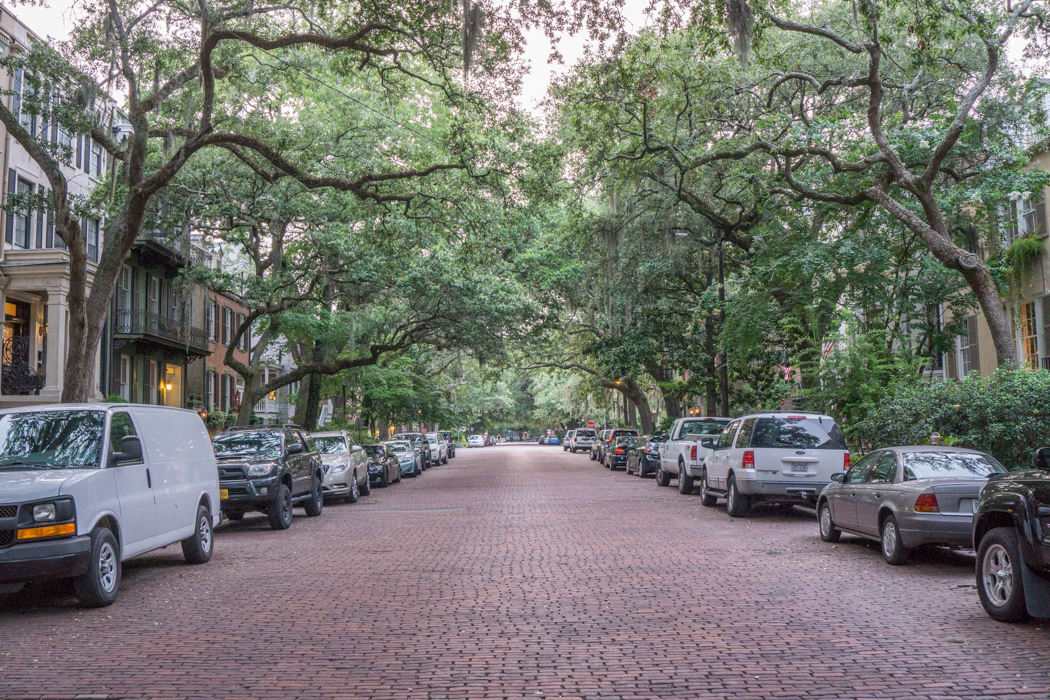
x=59 y=16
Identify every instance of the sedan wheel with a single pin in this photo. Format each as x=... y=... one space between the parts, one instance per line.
x=828 y=531
x=893 y=550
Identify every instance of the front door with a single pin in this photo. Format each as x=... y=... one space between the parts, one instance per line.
x=844 y=498
x=138 y=505
x=871 y=492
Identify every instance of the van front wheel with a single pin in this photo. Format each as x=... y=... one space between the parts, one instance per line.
x=197 y=548
x=98 y=586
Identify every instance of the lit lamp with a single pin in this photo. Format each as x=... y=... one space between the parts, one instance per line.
x=167 y=386
x=203 y=413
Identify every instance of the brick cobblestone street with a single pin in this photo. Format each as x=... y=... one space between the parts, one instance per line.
x=526 y=572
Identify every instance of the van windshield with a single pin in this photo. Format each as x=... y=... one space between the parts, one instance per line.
x=247 y=444
x=51 y=439
x=798 y=433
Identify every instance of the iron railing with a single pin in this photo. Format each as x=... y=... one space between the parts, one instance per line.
x=17 y=376
x=141 y=322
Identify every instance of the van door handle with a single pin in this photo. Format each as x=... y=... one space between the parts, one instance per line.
x=149 y=482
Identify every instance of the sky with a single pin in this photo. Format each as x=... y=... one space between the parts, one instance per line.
x=56 y=19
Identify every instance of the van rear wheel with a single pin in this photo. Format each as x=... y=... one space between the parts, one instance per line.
x=97 y=587
x=197 y=548
x=279 y=513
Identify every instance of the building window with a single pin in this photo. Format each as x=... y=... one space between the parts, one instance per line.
x=96 y=159
x=215 y=389
x=224 y=401
x=19 y=93
x=65 y=139
x=225 y=326
x=964 y=351
x=1033 y=214
x=23 y=217
x=153 y=380
x=124 y=300
x=125 y=377
x=209 y=320
x=1028 y=335
x=92 y=239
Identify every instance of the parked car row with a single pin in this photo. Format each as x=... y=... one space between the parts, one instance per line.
x=85 y=487
x=901 y=497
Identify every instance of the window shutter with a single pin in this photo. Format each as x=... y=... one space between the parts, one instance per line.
x=16 y=94
x=951 y=369
x=12 y=183
x=54 y=132
x=1040 y=216
x=40 y=226
x=975 y=357
x=87 y=154
x=49 y=237
x=80 y=148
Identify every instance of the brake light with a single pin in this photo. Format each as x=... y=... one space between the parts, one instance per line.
x=927 y=503
x=845 y=461
x=618 y=451
x=692 y=452
x=796 y=418
x=749 y=460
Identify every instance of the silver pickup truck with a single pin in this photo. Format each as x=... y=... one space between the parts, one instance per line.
x=682 y=455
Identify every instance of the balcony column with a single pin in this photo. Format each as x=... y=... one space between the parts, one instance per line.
x=4 y=281
x=57 y=340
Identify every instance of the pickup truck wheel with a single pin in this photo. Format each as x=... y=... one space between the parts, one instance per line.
x=315 y=504
x=366 y=488
x=280 y=511
x=828 y=531
x=197 y=548
x=737 y=504
x=355 y=491
x=706 y=497
x=685 y=482
x=662 y=477
x=893 y=550
x=98 y=586
x=999 y=582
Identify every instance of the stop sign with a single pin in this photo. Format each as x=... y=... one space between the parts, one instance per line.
x=590 y=424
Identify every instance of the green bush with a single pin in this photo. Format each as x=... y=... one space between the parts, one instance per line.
x=1006 y=415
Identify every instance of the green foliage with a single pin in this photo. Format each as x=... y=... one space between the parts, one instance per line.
x=1005 y=415
x=1022 y=252
x=115 y=398
x=221 y=419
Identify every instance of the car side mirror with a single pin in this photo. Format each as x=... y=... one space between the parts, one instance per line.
x=839 y=477
x=356 y=448
x=707 y=442
x=295 y=449
x=1042 y=458
x=130 y=450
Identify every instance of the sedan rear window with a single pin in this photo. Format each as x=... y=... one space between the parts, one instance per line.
x=960 y=465
x=798 y=433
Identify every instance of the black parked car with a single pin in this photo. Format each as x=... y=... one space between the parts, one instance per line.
x=268 y=469
x=383 y=466
x=449 y=438
x=616 y=453
x=420 y=442
x=644 y=457
x=1011 y=533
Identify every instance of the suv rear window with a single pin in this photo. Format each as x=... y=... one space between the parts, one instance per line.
x=584 y=432
x=621 y=433
x=799 y=433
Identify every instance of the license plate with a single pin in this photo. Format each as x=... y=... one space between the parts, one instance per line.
x=224 y=494
x=803 y=468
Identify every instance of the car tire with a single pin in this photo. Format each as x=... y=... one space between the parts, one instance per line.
x=685 y=482
x=706 y=497
x=662 y=477
x=828 y=531
x=593 y=456
x=366 y=488
x=893 y=549
x=355 y=491
x=445 y=461
x=197 y=548
x=315 y=504
x=737 y=504
x=385 y=480
x=1001 y=590
x=279 y=513
x=98 y=586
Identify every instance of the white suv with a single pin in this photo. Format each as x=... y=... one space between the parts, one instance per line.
x=784 y=458
x=582 y=439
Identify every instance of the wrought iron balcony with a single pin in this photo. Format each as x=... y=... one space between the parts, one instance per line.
x=146 y=324
x=17 y=376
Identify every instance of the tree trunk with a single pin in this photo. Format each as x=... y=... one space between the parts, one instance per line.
x=637 y=396
x=723 y=362
x=991 y=303
x=248 y=400
x=672 y=405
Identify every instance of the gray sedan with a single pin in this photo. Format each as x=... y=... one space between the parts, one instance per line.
x=907 y=497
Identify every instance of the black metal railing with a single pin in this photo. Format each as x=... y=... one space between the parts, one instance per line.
x=17 y=376
x=141 y=322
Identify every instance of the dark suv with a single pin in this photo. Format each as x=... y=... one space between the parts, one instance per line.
x=420 y=442
x=268 y=469
x=1011 y=533
x=449 y=438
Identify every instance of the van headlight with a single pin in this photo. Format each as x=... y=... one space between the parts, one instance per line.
x=261 y=469
x=45 y=513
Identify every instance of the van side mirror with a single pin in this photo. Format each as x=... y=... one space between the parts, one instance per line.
x=295 y=449
x=839 y=477
x=1042 y=458
x=130 y=450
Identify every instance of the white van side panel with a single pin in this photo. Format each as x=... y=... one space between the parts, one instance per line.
x=182 y=464
x=94 y=497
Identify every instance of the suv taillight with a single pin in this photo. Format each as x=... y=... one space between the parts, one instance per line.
x=927 y=503
x=618 y=451
x=749 y=460
x=845 y=461
x=692 y=452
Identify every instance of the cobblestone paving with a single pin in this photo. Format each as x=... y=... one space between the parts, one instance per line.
x=526 y=572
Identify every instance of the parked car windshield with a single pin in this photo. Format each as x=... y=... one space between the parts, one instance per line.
x=247 y=444
x=330 y=445
x=705 y=426
x=584 y=432
x=51 y=439
x=375 y=450
x=960 y=465
x=799 y=433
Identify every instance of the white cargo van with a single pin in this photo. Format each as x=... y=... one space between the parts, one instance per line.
x=85 y=486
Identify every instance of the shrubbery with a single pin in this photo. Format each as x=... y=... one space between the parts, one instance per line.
x=1006 y=415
